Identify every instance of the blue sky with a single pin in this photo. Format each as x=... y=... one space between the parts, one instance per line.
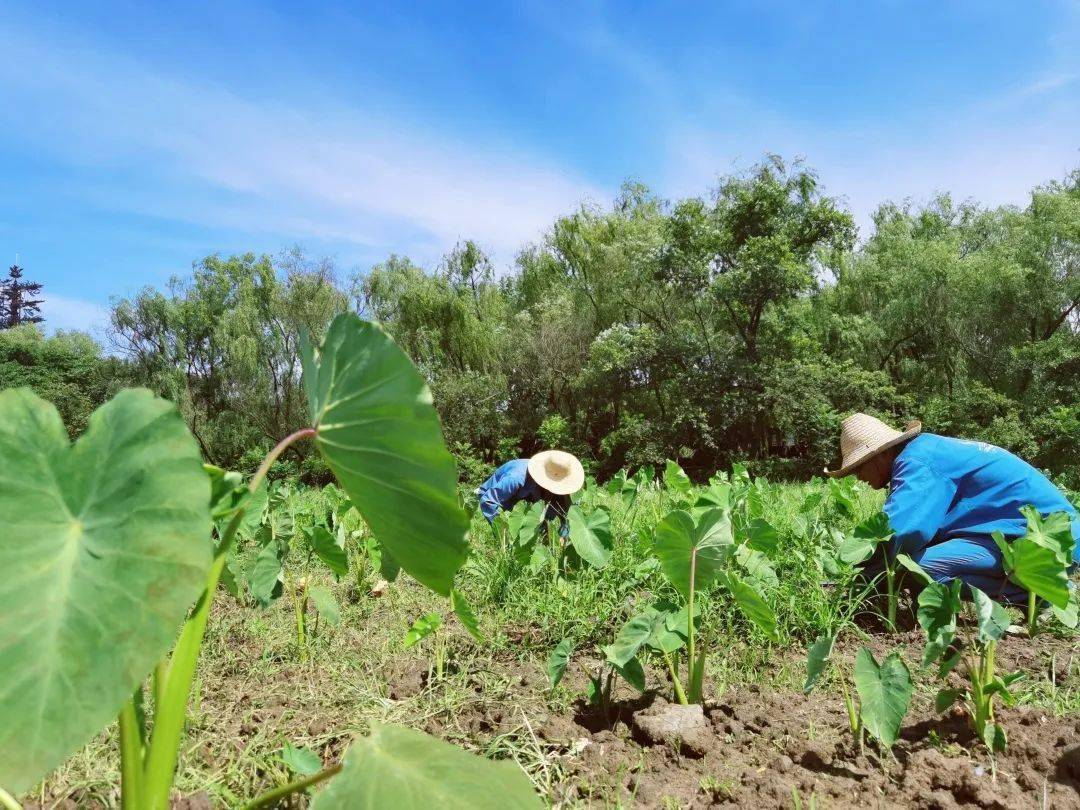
x=136 y=138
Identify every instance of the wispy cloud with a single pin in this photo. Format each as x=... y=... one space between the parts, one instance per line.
x=335 y=173
x=71 y=313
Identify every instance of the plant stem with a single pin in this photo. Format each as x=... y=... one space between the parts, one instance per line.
x=1031 y=615
x=890 y=585
x=161 y=671
x=7 y=801
x=680 y=695
x=690 y=627
x=131 y=758
x=299 y=605
x=275 y=795
x=171 y=712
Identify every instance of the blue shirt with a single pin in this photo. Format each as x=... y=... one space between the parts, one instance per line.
x=945 y=488
x=512 y=483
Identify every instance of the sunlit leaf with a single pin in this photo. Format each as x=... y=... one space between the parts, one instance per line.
x=1053 y=532
x=380 y=435
x=466 y=615
x=590 y=535
x=264 y=576
x=755 y=608
x=325 y=603
x=679 y=540
x=301 y=761
x=557 y=661
x=675 y=480
x=395 y=767
x=993 y=619
x=1039 y=570
x=104 y=546
x=884 y=694
x=422 y=628
x=327 y=549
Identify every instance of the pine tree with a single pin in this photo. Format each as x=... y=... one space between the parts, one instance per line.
x=16 y=304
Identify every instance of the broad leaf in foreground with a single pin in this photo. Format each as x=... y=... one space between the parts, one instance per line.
x=884 y=694
x=104 y=546
x=395 y=767
x=379 y=433
x=590 y=535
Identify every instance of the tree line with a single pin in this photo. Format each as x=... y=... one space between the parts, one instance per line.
x=737 y=326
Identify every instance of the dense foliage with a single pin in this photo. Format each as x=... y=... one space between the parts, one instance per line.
x=739 y=326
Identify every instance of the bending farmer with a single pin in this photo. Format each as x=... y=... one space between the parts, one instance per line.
x=551 y=476
x=947 y=495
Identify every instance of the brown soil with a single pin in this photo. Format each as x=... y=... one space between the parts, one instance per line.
x=765 y=747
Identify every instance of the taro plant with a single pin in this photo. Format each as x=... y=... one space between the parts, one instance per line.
x=882 y=691
x=107 y=552
x=939 y=606
x=701 y=550
x=431 y=625
x=602 y=679
x=1039 y=562
x=874 y=535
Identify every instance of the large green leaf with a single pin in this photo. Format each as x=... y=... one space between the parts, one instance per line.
x=524 y=521
x=993 y=619
x=590 y=535
x=1053 y=532
x=557 y=661
x=938 y=607
x=395 y=767
x=1036 y=568
x=104 y=546
x=884 y=694
x=380 y=435
x=651 y=627
x=264 y=576
x=762 y=536
x=326 y=548
x=752 y=605
x=675 y=480
x=678 y=541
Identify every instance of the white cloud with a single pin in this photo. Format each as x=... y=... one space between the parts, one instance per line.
x=72 y=313
x=201 y=153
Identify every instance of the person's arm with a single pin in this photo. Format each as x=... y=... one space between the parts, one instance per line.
x=498 y=490
x=919 y=500
x=557 y=508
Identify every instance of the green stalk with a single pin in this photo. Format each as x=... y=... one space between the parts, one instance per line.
x=272 y=797
x=1032 y=629
x=690 y=629
x=131 y=758
x=680 y=695
x=170 y=714
x=7 y=801
x=890 y=585
x=299 y=605
x=161 y=671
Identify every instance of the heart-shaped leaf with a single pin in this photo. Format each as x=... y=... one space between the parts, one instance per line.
x=676 y=480
x=264 y=577
x=884 y=694
x=1038 y=569
x=422 y=628
x=1053 y=532
x=326 y=548
x=380 y=435
x=408 y=770
x=993 y=619
x=679 y=541
x=938 y=607
x=752 y=605
x=104 y=546
x=326 y=604
x=557 y=661
x=591 y=535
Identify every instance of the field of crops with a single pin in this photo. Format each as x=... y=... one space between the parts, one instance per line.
x=684 y=646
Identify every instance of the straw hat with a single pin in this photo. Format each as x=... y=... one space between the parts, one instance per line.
x=557 y=471
x=862 y=437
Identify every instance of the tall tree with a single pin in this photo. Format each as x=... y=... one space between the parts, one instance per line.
x=17 y=304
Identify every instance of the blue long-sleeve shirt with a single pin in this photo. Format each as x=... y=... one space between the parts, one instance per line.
x=944 y=488
x=512 y=483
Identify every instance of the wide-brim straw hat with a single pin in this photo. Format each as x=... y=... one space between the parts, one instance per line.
x=862 y=437
x=557 y=471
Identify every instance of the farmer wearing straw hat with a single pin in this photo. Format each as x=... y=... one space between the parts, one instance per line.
x=551 y=476
x=946 y=497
